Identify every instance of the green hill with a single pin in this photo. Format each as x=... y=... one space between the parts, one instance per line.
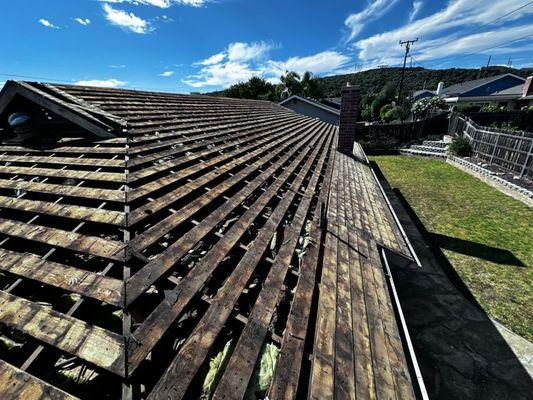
x=415 y=78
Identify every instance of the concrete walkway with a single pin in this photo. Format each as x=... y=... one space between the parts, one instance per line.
x=461 y=353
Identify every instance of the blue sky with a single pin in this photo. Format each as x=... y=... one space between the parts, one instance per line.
x=205 y=45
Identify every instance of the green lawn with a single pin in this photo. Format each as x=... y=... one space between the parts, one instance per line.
x=486 y=235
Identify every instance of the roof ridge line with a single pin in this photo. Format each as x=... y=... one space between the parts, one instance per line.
x=85 y=106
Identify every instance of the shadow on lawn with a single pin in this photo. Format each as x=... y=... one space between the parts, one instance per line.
x=461 y=353
x=473 y=249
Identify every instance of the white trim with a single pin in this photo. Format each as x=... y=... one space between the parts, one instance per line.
x=311 y=102
x=494 y=97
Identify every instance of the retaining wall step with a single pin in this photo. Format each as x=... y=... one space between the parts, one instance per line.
x=434 y=143
x=431 y=149
x=423 y=153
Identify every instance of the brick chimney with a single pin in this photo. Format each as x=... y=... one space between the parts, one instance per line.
x=348 y=118
x=528 y=87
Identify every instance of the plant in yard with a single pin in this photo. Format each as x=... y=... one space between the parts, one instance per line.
x=506 y=125
x=460 y=146
x=422 y=106
x=392 y=112
x=491 y=108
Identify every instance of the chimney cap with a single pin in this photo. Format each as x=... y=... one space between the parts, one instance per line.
x=350 y=86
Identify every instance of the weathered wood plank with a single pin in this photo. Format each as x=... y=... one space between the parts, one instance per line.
x=16 y=384
x=64 y=173
x=60 y=238
x=269 y=149
x=86 y=283
x=167 y=312
x=91 y=162
x=93 y=344
x=64 y=190
x=64 y=210
x=240 y=366
x=287 y=373
x=191 y=355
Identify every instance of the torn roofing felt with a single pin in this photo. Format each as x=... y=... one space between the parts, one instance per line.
x=157 y=230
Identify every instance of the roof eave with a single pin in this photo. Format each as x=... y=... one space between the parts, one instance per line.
x=68 y=111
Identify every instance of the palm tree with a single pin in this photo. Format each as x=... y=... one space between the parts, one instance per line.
x=310 y=86
x=291 y=81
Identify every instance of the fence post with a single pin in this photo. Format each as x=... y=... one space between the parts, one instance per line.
x=495 y=147
x=527 y=158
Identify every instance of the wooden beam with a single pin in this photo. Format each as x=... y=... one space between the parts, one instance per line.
x=98 y=346
x=16 y=384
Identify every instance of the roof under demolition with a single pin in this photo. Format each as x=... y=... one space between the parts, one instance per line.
x=171 y=246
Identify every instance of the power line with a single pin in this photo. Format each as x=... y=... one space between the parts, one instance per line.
x=478 y=28
x=407 y=44
x=488 y=48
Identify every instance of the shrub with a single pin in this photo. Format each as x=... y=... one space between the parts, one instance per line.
x=384 y=110
x=468 y=108
x=391 y=113
x=460 y=146
x=422 y=106
x=506 y=125
x=491 y=108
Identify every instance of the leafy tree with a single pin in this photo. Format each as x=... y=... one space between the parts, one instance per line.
x=311 y=87
x=386 y=95
x=255 y=89
x=392 y=112
x=291 y=80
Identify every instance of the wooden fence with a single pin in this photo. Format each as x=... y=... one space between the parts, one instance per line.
x=508 y=149
x=522 y=120
x=378 y=137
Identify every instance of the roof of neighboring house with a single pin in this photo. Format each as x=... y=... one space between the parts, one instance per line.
x=164 y=228
x=311 y=102
x=463 y=87
x=513 y=91
x=335 y=102
x=424 y=91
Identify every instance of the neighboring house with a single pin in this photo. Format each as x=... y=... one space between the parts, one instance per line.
x=501 y=91
x=312 y=108
x=146 y=234
x=526 y=99
x=333 y=102
x=422 y=94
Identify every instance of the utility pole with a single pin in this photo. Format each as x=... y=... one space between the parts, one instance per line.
x=488 y=62
x=407 y=44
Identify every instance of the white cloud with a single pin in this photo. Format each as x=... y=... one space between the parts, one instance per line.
x=223 y=74
x=446 y=32
x=48 y=24
x=325 y=62
x=126 y=20
x=109 y=83
x=417 y=6
x=241 y=61
x=83 y=21
x=117 y=66
x=214 y=59
x=160 y=3
x=166 y=74
x=239 y=51
x=374 y=10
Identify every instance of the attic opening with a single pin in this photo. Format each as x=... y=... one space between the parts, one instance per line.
x=26 y=123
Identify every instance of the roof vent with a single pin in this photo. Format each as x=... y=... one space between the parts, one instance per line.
x=22 y=125
x=440 y=88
